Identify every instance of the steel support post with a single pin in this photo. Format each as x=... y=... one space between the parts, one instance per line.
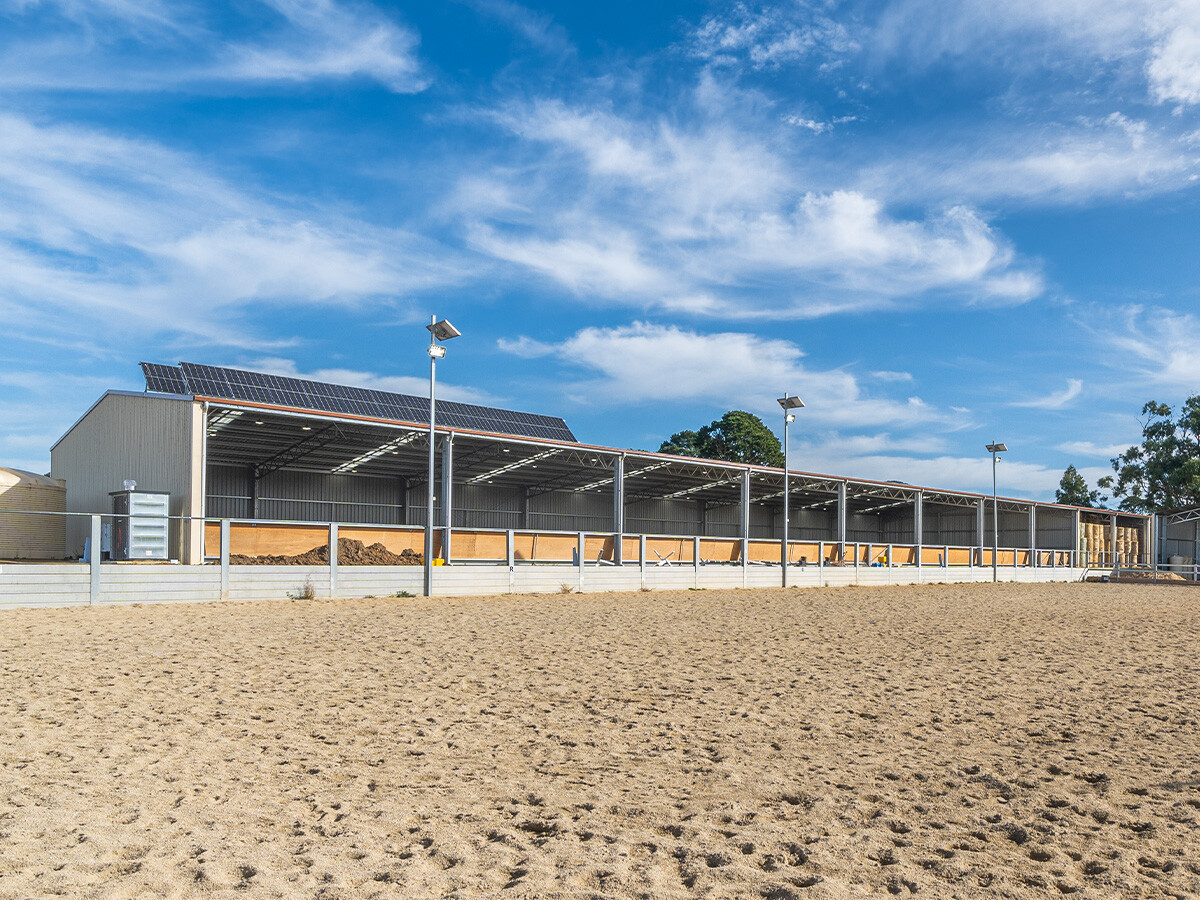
x=618 y=509
x=841 y=520
x=919 y=525
x=1033 y=554
x=980 y=517
x=447 y=494
x=1113 y=538
x=745 y=515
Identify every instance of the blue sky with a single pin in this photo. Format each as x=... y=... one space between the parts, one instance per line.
x=937 y=225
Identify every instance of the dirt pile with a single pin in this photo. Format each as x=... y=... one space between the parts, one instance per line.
x=350 y=553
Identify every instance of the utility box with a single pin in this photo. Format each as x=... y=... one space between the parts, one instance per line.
x=140 y=527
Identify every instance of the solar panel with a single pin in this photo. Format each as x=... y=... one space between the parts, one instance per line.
x=300 y=393
x=163 y=379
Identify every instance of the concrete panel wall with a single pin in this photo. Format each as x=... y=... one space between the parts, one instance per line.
x=23 y=586
x=150 y=439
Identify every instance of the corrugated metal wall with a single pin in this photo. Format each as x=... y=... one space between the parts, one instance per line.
x=306 y=496
x=145 y=438
x=1055 y=529
x=950 y=526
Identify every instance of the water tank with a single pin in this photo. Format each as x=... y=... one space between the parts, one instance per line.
x=25 y=532
x=140 y=528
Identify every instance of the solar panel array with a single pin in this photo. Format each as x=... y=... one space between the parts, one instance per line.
x=164 y=379
x=299 y=393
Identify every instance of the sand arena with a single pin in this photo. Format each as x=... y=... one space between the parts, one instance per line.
x=938 y=741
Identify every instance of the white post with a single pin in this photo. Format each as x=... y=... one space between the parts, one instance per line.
x=224 y=559
x=94 y=562
x=696 y=558
x=642 y=558
x=510 y=554
x=333 y=560
x=581 y=543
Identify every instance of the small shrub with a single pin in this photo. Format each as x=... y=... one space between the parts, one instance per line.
x=565 y=588
x=402 y=594
x=306 y=591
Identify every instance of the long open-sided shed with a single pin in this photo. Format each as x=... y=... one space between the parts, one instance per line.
x=232 y=444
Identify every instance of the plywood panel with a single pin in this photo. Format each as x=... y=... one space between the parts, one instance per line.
x=719 y=550
x=961 y=556
x=932 y=556
x=248 y=539
x=555 y=547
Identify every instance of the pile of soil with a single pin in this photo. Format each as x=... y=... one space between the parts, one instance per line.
x=350 y=553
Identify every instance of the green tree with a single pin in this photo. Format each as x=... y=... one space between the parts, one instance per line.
x=1073 y=490
x=1163 y=472
x=737 y=436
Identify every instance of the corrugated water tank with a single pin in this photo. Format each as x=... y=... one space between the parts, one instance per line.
x=26 y=531
x=140 y=528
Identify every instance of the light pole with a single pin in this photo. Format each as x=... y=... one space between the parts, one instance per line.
x=788 y=403
x=994 y=448
x=438 y=331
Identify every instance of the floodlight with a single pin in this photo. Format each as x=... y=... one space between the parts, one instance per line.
x=443 y=330
x=791 y=402
x=790 y=417
x=437 y=352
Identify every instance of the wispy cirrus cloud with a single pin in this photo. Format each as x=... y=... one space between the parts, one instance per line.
x=96 y=227
x=1057 y=400
x=119 y=46
x=1162 y=344
x=694 y=219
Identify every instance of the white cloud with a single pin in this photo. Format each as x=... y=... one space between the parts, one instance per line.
x=1159 y=39
x=1076 y=162
x=1166 y=342
x=769 y=37
x=1058 y=400
x=650 y=215
x=121 y=46
x=95 y=227
x=645 y=363
x=325 y=39
x=1016 y=479
x=1088 y=448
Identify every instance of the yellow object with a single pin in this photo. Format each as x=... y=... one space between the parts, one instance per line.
x=438 y=561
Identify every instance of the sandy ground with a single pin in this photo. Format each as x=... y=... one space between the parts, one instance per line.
x=945 y=741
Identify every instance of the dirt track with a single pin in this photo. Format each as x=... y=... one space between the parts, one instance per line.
x=944 y=741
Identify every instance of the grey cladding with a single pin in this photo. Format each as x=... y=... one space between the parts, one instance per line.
x=298 y=393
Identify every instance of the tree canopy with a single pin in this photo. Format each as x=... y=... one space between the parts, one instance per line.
x=737 y=436
x=1163 y=472
x=1073 y=490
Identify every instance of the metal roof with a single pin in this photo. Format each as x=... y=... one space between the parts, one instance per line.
x=267 y=438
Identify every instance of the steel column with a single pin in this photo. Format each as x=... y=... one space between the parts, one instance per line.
x=841 y=520
x=447 y=493
x=618 y=509
x=919 y=524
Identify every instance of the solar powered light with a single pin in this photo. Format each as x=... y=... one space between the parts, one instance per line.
x=443 y=330
x=994 y=448
x=788 y=403
x=438 y=331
